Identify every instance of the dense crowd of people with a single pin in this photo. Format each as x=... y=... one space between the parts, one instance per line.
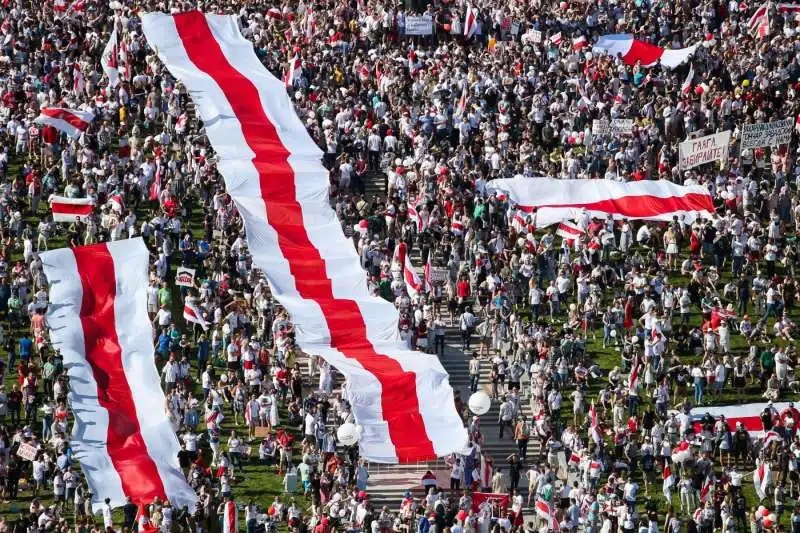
x=601 y=349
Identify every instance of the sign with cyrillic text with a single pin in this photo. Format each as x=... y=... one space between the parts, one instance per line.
x=766 y=134
x=696 y=152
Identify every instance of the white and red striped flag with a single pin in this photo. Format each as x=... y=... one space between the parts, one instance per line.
x=545 y=512
x=569 y=231
x=579 y=43
x=117 y=203
x=669 y=480
x=293 y=71
x=634 y=51
x=110 y=59
x=633 y=378
x=78 y=80
x=99 y=323
x=470 y=21
x=143 y=520
x=762 y=477
x=70 y=209
x=60 y=6
x=556 y=39
x=403 y=402
x=230 y=518
x=707 y=489
x=555 y=200
x=415 y=216
x=462 y=103
x=191 y=313
x=73 y=122
x=686 y=86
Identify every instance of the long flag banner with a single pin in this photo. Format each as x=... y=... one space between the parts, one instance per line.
x=401 y=399
x=555 y=200
x=70 y=209
x=758 y=24
x=98 y=321
x=71 y=121
x=634 y=51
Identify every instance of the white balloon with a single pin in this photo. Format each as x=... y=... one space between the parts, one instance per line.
x=613 y=333
x=480 y=403
x=347 y=434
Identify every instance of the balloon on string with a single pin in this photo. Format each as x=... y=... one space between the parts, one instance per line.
x=347 y=434
x=613 y=333
x=479 y=403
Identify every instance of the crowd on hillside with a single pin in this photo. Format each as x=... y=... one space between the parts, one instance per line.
x=614 y=342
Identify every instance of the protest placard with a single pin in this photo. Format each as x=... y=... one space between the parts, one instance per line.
x=696 y=152
x=766 y=134
x=419 y=25
x=184 y=277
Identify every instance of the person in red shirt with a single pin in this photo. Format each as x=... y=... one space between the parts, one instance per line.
x=462 y=292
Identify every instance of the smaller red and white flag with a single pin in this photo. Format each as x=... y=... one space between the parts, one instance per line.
x=293 y=71
x=579 y=43
x=116 y=202
x=456 y=227
x=70 y=121
x=633 y=378
x=762 y=477
x=415 y=217
x=110 y=59
x=669 y=480
x=191 y=313
x=143 y=520
x=686 y=86
x=78 y=80
x=155 y=187
x=545 y=512
x=462 y=103
x=274 y=13
x=569 y=231
x=574 y=459
x=60 y=6
x=518 y=221
x=414 y=284
x=470 y=21
x=230 y=518
x=70 y=209
x=556 y=39
x=707 y=490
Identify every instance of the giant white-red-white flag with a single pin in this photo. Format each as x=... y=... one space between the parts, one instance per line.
x=99 y=324
x=73 y=122
x=401 y=399
x=555 y=200
x=110 y=59
x=70 y=209
x=633 y=51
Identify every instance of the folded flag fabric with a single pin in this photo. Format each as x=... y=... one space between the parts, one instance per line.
x=71 y=121
x=70 y=209
x=634 y=51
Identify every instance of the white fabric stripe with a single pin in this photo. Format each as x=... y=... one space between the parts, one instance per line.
x=74 y=201
x=444 y=426
x=90 y=429
x=673 y=58
x=613 y=45
x=135 y=334
x=435 y=396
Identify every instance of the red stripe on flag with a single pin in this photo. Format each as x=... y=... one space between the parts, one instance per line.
x=640 y=206
x=125 y=444
x=62 y=114
x=645 y=52
x=399 y=403
x=72 y=209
